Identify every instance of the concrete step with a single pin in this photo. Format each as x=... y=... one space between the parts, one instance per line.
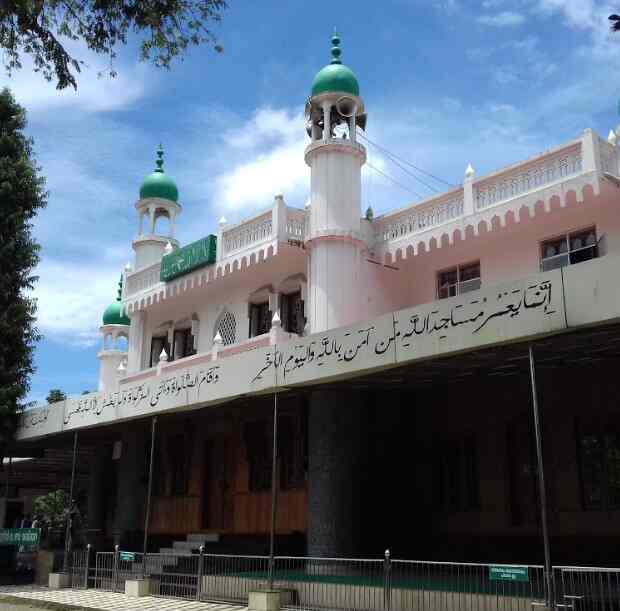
x=187 y=546
x=204 y=537
x=174 y=552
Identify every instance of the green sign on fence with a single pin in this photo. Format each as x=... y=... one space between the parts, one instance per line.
x=508 y=573
x=128 y=556
x=20 y=536
x=186 y=259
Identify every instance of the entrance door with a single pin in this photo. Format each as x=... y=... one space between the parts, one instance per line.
x=217 y=485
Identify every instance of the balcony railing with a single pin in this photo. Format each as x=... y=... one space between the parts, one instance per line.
x=295 y=224
x=247 y=234
x=589 y=154
x=278 y=223
x=528 y=178
x=421 y=217
x=142 y=280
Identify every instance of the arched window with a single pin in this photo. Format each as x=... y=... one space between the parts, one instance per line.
x=227 y=327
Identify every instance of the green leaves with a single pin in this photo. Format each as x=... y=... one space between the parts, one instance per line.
x=22 y=195
x=52 y=508
x=55 y=395
x=165 y=29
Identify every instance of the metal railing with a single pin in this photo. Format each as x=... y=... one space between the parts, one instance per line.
x=231 y=578
x=174 y=575
x=79 y=567
x=311 y=584
x=587 y=588
x=332 y=583
x=445 y=586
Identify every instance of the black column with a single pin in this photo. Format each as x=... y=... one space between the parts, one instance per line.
x=334 y=445
x=131 y=495
x=95 y=511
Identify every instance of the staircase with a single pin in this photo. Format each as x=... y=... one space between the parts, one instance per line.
x=191 y=545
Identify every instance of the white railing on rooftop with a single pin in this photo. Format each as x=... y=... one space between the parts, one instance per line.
x=587 y=154
x=247 y=233
x=528 y=177
x=142 y=280
x=295 y=224
x=278 y=223
x=421 y=217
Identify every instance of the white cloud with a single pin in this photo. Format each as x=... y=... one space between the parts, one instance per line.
x=501 y=20
x=94 y=93
x=581 y=14
x=72 y=297
x=266 y=156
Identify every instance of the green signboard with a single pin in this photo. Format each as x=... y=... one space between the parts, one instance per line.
x=128 y=556
x=20 y=536
x=508 y=573
x=190 y=257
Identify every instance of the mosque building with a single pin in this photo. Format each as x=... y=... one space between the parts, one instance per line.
x=397 y=347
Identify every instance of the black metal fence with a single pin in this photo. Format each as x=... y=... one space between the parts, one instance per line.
x=310 y=584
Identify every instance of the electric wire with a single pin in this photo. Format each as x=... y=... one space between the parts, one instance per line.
x=392 y=157
x=387 y=152
x=393 y=180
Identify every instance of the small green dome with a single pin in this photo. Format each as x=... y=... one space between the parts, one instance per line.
x=158 y=184
x=112 y=314
x=335 y=77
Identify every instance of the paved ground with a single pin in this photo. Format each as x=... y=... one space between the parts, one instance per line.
x=94 y=599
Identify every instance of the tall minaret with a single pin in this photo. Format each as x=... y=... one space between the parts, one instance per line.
x=335 y=158
x=158 y=198
x=112 y=356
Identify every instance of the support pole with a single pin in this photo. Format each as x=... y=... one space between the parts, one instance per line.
x=69 y=523
x=148 y=498
x=274 y=491
x=541 y=483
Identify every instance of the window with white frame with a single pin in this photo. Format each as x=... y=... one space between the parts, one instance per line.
x=568 y=249
x=458 y=280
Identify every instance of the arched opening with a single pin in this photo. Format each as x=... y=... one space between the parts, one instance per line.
x=162 y=222
x=121 y=342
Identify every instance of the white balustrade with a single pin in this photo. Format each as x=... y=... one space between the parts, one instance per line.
x=609 y=161
x=420 y=218
x=295 y=224
x=142 y=280
x=246 y=234
x=520 y=180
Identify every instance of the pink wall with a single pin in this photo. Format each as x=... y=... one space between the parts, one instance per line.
x=505 y=253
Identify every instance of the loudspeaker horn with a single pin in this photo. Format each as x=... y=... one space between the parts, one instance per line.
x=346 y=106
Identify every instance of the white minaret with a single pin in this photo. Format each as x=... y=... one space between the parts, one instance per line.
x=112 y=356
x=335 y=158
x=158 y=198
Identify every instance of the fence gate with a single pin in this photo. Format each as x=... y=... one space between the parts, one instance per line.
x=79 y=568
x=587 y=588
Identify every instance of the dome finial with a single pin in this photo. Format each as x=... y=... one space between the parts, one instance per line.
x=120 y=289
x=336 y=51
x=160 y=159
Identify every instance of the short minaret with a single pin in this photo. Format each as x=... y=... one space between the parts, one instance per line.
x=334 y=239
x=158 y=198
x=112 y=356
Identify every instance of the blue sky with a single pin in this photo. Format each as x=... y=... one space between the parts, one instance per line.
x=445 y=82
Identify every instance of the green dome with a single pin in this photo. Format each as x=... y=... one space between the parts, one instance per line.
x=335 y=77
x=112 y=314
x=158 y=184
